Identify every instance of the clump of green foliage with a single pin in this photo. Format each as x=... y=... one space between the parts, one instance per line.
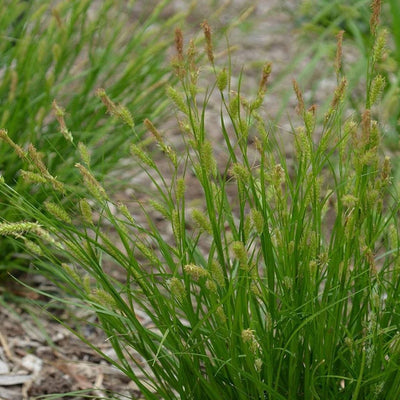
x=54 y=55
x=353 y=18
x=282 y=283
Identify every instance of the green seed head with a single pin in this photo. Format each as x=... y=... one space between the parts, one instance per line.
x=222 y=79
x=195 y=272
x=177 y=288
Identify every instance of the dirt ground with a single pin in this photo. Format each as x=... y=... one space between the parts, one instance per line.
x=39 y=356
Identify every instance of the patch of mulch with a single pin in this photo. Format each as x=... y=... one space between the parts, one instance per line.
x=38 y=356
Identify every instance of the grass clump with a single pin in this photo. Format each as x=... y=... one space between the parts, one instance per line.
x=281 y=282
x=54 y=56
x=354 y=20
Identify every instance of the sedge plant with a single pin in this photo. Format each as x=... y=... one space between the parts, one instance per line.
x=54 y=55
x=280 y=282
x=354 y=18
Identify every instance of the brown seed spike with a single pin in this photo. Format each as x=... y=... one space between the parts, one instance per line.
x=207 y=34
x=338 y=59
x=300 y=100
x=313 y=109
x=179 y=43
x=376 y=11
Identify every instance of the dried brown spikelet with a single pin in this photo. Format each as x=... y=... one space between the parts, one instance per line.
x=207 y=34
x=338 y=59
x=375 y=13
x=179 y=43
x=300 y=100
x=178 y=60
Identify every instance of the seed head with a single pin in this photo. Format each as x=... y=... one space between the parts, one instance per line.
x=153 y=130
x=32 y=177
x=209 y=47
x=142 y=155
x=125 y=212
x=217 y=273
x=92 y=184
x=222 y=79
x=177 y=288
x=240 y=173
x=339 y=95
x=33 y=247
x=338 y=59
x=116 y=110
x=240 y=254
x=266 y=72
x=57 y=211
x=59 y=113
x=71 y=272
x=147 y=252
x=379 y=46
x=176 y=225
x=179 y=43
x=201 y=221
x=248 y=335
x=377 y=86
x=300 y=100
x=160 y=208
x=219 y=312
x=17 y=229
x=195 y=271
x=180 y=189
x=211 y=286
x=375 y=13
x=207 y=158
x=103 y=298
x=4 y=136
x=86 y=211
x=178 y=99
x=84 y=153
x=386 y=171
